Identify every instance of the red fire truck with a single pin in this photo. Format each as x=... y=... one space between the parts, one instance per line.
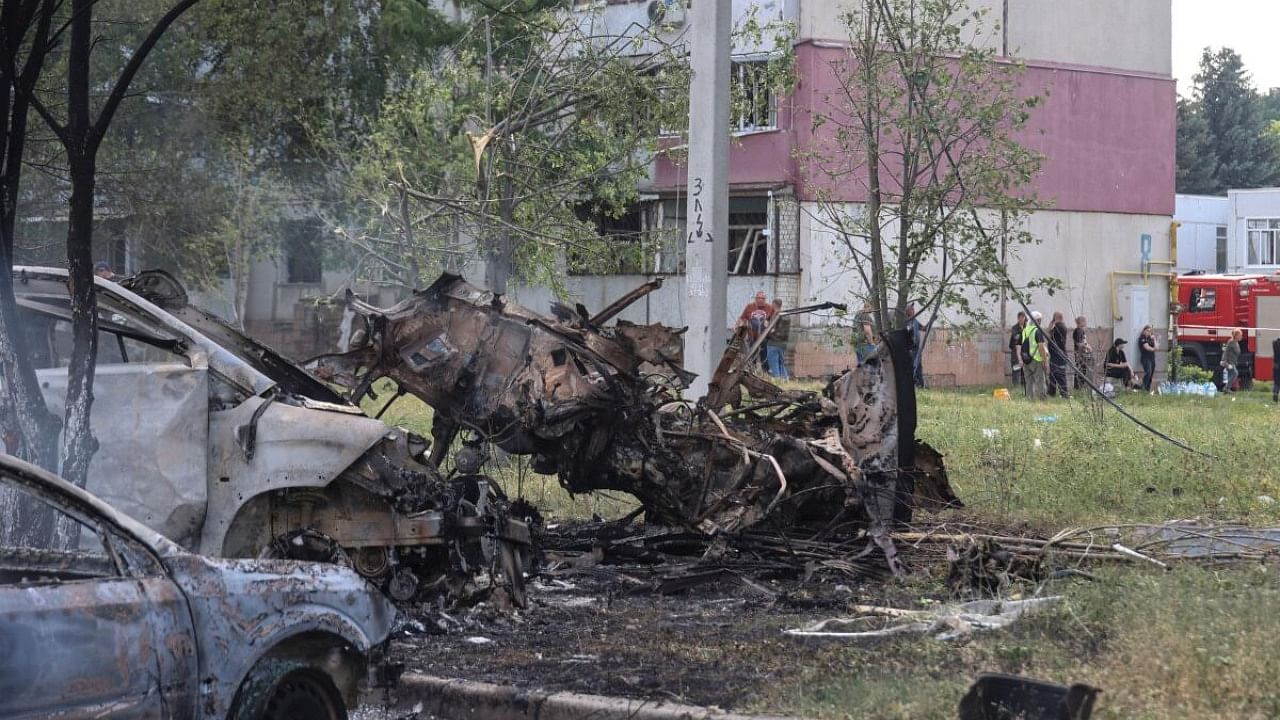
x=1211 y=306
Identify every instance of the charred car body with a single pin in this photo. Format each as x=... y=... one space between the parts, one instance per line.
x=127 y=624
x=601 y=407
x=226 y=448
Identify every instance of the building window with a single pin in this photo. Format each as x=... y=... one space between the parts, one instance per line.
x=751 y=239
x=302 y=252
x=748 y=236
x=1222 y=248
x=755 y=105
x=1264 y=233
x=626 y=242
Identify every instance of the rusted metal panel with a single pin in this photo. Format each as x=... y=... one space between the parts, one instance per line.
x=294 y=447
x=243 y=609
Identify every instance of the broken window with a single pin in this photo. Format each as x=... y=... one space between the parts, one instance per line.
x=748 y=236
x=55 y=546
x=755 y=105
x=123 y=336
x=302 y=252
x=627 y=248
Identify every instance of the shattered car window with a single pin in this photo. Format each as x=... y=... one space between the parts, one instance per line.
x=124 y=335
x=53 y=547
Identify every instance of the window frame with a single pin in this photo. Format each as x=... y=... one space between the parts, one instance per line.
x=1262 y=241
x=755 y=70
x=1220 y=248
x=129 y=558
x=1198 y=295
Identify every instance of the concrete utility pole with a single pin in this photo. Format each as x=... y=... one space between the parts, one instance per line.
x=707 y=217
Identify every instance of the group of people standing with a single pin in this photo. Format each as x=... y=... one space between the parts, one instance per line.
x=1039 y=361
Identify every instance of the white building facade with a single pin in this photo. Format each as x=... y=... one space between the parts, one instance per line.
x=1239 y=233
x=1106 y=129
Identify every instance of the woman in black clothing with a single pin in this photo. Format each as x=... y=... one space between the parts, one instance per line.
x=1147 y=356
x=1117 y=365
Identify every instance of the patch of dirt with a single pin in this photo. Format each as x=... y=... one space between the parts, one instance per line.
x=717 y=645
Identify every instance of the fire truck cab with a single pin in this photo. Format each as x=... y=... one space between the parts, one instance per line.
x=1211 y=306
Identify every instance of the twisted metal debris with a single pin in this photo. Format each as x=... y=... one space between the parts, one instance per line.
x=601 y=408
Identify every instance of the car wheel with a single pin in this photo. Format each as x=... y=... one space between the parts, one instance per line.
x=305 y=694
x=287 y=689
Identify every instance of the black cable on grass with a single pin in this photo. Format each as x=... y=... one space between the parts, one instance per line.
x=1089 y=382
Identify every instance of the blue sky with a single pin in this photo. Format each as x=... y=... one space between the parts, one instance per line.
x=1251 y=27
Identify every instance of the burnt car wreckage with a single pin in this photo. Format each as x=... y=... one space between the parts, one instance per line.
x=228 y=449
x=601 y=407
x=127 y=624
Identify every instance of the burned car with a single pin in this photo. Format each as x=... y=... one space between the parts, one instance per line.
x=121 y=622
x=602 y=407
x=228 y=449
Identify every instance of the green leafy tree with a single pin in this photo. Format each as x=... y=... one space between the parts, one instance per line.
x=924 y=122
x=507 y=142
x=1197 y=165
x=1233 y=113
x=514 y=142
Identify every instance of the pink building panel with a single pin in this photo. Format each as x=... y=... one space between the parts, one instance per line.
x=757 y=159
x=1107 y=136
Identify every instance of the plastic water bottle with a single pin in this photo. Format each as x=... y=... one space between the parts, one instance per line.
x=1211 y=390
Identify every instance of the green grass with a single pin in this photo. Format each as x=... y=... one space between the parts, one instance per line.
x=1190 y=643
x=1193 y=642
x=1090 y=467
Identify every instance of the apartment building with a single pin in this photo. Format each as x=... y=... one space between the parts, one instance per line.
x=1106 y=129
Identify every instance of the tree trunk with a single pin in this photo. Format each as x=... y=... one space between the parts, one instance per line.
x=78 y=443
x=33 y=429
x=27 y=428
x=81 y=142
x=869 y=49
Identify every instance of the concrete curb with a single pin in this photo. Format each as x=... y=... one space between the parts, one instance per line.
x=454 y=699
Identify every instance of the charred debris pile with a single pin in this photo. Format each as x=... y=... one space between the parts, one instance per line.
x=601 y=407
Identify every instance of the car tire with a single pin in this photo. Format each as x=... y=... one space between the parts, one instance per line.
x=1193 y=354
x=287 y=689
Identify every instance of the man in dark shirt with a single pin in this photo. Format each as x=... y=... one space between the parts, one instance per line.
x=1015 y=349
x=1116 y=364
x=1147 y=355
x=1084 y=352
x=1058 y=358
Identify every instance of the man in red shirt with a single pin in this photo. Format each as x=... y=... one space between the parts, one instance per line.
x=756 y=316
